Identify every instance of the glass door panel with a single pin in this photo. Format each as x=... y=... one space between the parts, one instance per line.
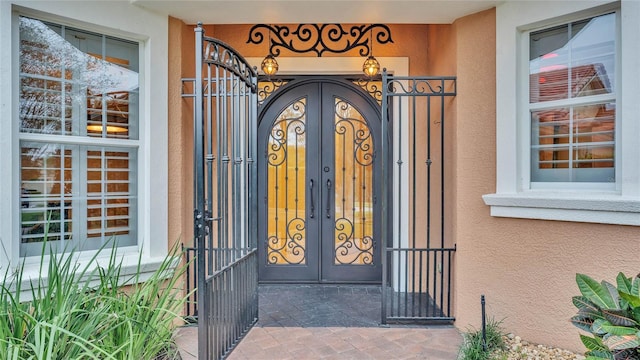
x=286 y=178
x=353 y=198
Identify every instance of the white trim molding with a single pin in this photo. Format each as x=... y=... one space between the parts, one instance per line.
x=603 y=209
x=515 y=195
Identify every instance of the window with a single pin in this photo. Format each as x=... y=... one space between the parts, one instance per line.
x=78 y=138
x=567 y=112
x=572 y=101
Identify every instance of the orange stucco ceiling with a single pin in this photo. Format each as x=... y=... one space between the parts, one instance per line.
x=316 y=11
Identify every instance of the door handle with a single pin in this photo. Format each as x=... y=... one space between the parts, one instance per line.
x=328 y=199
x=313 y=207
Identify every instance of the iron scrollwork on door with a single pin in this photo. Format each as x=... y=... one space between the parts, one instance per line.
x=354 y=242
x=286 y=243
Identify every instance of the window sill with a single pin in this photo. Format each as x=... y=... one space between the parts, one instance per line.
x=131 y=264
x=578 y=207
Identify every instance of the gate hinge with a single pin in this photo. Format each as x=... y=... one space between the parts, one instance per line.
x=375 y=199
x=428 y=162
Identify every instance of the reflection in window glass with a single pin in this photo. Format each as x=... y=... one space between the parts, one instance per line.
x=573 y=139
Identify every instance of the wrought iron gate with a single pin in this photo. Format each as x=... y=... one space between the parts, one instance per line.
x=224 y=98
x=418 y=257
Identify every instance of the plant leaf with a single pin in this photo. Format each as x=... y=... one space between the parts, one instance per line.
x=621 y=342
x=582 y=302
x=628 y=354
x=635 y=287
x=582 y=322
x=618 y=318
x=593 y=343
x=635 y=313
x=600 y=354
x=633 y=300
x=624 y=283
x=618 y=330
x=597 y=314
x=598 y=326
x=595 y=292
x=613 y=292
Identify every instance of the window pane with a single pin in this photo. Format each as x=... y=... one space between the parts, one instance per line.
x=574 y=144
x=77 y=83
x=46 y=192
x=584 y=49
x=76 y=196
x=111 y=194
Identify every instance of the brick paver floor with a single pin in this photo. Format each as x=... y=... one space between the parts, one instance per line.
x=348 y=343
x=265 y=343
x=330 y=322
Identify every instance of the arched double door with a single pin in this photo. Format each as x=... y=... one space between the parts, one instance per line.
x=318 y=184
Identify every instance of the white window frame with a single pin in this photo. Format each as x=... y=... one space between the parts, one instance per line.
x=118 y=19
x=515 y=196
x=79 y=156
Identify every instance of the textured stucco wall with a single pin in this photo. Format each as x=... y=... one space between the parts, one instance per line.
x=180 y=199
x=526 y=268
x=177 y=193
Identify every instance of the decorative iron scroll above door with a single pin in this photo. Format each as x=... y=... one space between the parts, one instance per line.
x=319 y=38
x=269 y=85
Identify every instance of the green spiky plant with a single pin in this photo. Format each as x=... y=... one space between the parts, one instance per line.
x=86 y=312
x=611 y=313
x=472 y=347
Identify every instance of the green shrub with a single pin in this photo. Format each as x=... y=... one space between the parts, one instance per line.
x=611 y=314
x=472 y=345
x=83 y=312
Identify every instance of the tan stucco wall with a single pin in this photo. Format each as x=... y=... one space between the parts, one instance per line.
x=526 y=268
x=180 y=199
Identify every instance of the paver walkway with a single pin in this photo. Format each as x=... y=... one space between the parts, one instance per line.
x=330 y=322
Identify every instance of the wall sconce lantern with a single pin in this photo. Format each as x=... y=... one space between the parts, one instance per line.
x=269 y=65
x=371 y=67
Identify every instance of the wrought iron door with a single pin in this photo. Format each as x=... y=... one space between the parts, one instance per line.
x=317 y=191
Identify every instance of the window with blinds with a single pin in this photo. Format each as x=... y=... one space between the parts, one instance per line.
x=572 y=101
x=78 y=138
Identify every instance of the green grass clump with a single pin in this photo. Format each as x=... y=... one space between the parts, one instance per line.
x=84 y=312
x=472 y=348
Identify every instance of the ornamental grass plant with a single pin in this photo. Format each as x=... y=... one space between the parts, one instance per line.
x=474 y=346
x=78 y=310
